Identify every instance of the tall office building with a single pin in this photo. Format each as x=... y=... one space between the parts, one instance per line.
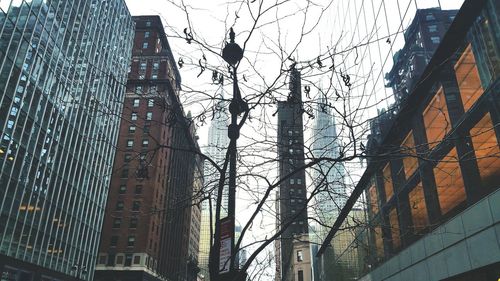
x=63 y=67
x=218 y=141
x=291 y=198
x=151 y=228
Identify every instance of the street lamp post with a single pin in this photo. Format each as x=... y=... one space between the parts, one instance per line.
x=232 y=54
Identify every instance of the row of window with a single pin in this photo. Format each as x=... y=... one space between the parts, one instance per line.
x=149 y=116
x=136 y=102
x=122 y=189
x=136 y=206
x=117 y=223
x=145 y=143
x=449 y=184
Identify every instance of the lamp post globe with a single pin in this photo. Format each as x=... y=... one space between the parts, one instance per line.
x=232 y=52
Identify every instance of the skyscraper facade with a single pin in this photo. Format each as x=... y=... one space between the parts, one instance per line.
x=63 y=68
x=151 y=229
x=218 y=142
x=291 y=199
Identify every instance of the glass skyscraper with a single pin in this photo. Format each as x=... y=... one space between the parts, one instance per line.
x=63 y=67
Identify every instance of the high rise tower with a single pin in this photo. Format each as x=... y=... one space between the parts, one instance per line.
x=291 y=198
x=218 y=142
x=151 y=229
x=63 y=67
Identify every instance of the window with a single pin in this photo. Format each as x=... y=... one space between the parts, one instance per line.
x=111 y=260
x=135 y=103
x=432 y=28
x=373 y=199
x=389 y=191
x=300 y=256
x=119 y=259
x=145 y=129
x=300 y=274
x=437 y=123
x=149 y=116
x=102 y=259
x=131 y=241
x=143 y=66
x=148 y=23
x=117 y=222
x=137 y=260
x=127 y=158
x=418 y=208
x=145 y=45
x=435 y=39
x=133 y=117
x=292 y=181
x=154 y=76
x=114 y=241
x=130 y=143
x=151 y=102
x=133 y=223
x=124 y=173
x=299 y=181
x=119 y=206
x=430 y=17
x=410 y=161
x=128 y=259
x=138 y=189
x=145 y=143
x=487 y=151
x=449 y=182
x=131 y=129
x=379 y=242
x=393 y=220
x=468 y=79
x=156 y=66
x=136 y=205
x=122 y=189
x=146 y=34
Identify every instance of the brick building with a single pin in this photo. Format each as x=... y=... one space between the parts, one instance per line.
x=150 y=224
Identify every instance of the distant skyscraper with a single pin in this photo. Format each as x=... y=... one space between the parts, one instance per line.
x=291 y=198
x=218 y=142
x=328 y=179
x=63 y=67
x=328 y=176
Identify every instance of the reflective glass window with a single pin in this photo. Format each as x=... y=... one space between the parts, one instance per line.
x=418 y=208
x=437 y=123
x=410 y=161
x=449 y=182
x=487 y=152
x=388 y=187
x=468 y=79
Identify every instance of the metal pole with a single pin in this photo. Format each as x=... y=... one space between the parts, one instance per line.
x=233 y=135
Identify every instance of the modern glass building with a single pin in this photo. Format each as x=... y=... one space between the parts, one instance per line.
x=432 y=185
x=63 y=67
